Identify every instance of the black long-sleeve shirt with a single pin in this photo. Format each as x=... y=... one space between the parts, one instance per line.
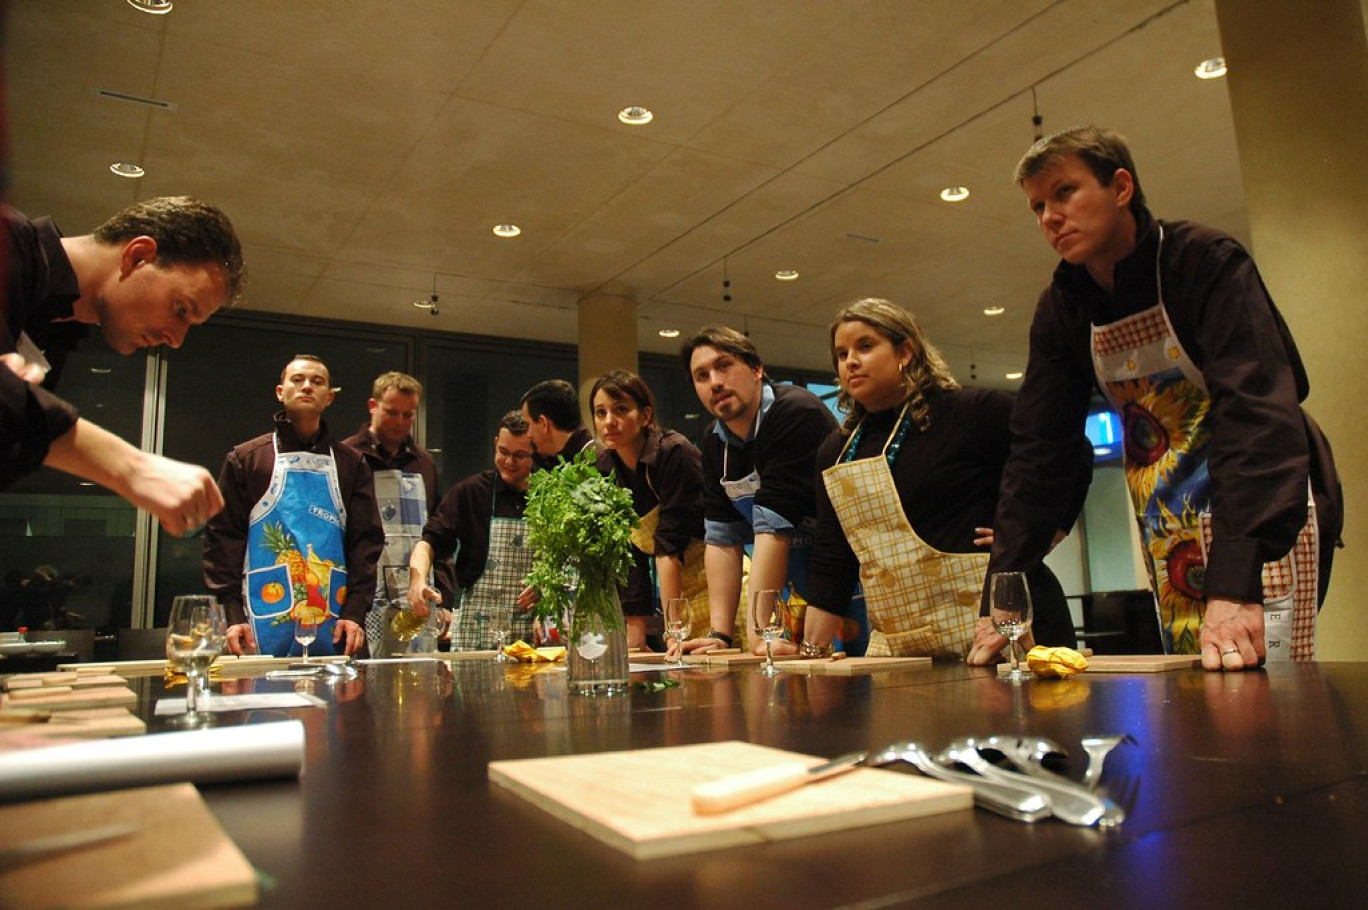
x=1262 y=444
x=460 y=524
x=40 y=288
x=669 y=473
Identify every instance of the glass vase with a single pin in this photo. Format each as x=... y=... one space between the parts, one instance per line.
x=596 y=649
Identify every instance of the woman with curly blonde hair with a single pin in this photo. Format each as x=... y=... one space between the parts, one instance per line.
x=909 y=489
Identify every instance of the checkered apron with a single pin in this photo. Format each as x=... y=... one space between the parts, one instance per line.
x=922 y=602
x=402 y=501
x=1163 y=402
x=494 y=596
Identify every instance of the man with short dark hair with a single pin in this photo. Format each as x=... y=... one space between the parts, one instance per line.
x=554 y=423
x=480 y=522
x=406 y=494
x=1233 y=485
x=299 y=535
x=759 y=476
x=145 y=277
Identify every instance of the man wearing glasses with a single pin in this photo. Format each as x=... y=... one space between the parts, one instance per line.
x=480 y=522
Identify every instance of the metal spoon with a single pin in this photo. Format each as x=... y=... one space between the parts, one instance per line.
x=1029 y=754
x=1012 y=800
x=1068 y=801
x=1097 y=748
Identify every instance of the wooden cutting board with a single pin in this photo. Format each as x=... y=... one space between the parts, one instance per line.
x=1130 y=663
x=732 y=659
x=179 y=856
x=1141 y=663
x=638 y=801
x=72 y=680
x=85 y=723
x=855 y=666
x=62 y=699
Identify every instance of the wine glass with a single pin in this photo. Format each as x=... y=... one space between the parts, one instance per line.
x=767 y=616
x=677 y=625
x=306 y=623
x=1009 y=604
x=195 y=636
x=498 y=630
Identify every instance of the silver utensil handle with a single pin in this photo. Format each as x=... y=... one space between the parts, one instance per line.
x=1006 y=798
x=1068 y=801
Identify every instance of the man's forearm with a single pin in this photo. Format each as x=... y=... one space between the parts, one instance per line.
x=769 y=569
x=723 y=565
x=96 y=454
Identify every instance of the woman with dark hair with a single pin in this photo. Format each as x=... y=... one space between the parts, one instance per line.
x=664 y=471
x=909 y=489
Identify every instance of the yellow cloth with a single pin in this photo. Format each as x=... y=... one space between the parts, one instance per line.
x=1059 y=662
x=525 y=653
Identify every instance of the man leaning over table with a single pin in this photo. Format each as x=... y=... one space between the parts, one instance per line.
x=759 y=476
x=1238 y=501
x=480 y=521
x=299 y=530
x=406 y=494
x=145 y=277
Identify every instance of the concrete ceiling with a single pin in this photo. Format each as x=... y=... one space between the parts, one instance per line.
x=365 y=149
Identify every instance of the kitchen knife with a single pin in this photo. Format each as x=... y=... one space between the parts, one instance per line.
x=740 y=790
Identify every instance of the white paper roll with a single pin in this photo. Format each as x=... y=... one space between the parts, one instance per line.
x=215 y=755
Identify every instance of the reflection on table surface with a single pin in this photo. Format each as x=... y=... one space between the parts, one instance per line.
x=1247 y=786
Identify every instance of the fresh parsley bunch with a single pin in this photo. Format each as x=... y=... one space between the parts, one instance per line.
x=579 y=525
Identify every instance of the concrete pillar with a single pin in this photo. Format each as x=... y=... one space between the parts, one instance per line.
x=607 y=341
x=1298 y=83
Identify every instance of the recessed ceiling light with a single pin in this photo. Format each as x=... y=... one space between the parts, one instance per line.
x=1214 y=68
x=87 y=483
x=101 y=371
x=127 y=169
x=155 y=7
x=1014 y=375
x=994 y=310
x=955 y=193
x=668 y=333
x=635 y=116
x=786 y=275
x=507 y=230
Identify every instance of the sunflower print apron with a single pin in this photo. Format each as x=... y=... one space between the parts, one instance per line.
x=1163 y=402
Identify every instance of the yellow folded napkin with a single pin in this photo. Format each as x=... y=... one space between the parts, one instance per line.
x=1060 y=662
x=522 y=651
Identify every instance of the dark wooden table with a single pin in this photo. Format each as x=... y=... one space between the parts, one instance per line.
x=1244 y=790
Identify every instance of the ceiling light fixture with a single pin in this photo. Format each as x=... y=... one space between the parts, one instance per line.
x=1214 y=68
x=507 y=230
x=155 y=7
x=431 y=303
x=1014 y=375
x=635 y=116
x=127 y=169
x=994 y=310
x=786 y=275
x=955 y=193
x=668 y=333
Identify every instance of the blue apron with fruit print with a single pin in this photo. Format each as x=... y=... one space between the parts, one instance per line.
x=295 y=559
